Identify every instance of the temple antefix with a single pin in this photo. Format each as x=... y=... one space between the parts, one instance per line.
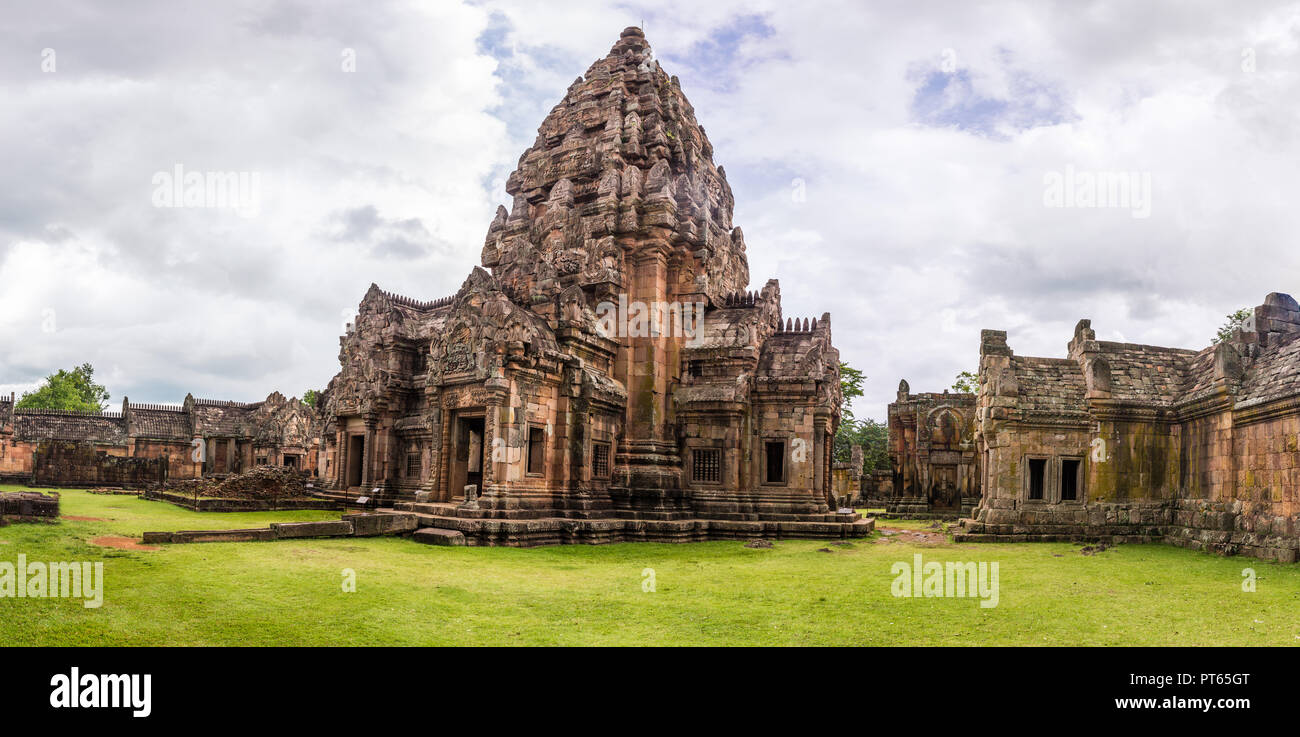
x=606 y=375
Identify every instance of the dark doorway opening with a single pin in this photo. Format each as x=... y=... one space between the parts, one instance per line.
x=356 y=452
x=469 y=455
x=1069 y=480
x=536 y=449
x=1037 y=472
x=775 y=461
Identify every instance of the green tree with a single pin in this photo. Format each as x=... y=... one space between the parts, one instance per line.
x=74 y=390
x=851 y=380
x=967 y=383
x=872 y=435
x=310 y=397
x=1234 y=321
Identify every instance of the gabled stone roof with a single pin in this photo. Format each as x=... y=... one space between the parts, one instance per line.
x=783 y=355
x=107 y=428
x=1258 y=363
x=210 y=419
x=1276 y=373
x=1198 y=375
x=1050 y=385
x=161 y=424
x=1146 y=374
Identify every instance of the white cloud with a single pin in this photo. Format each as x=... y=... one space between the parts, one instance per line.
x=916 y=231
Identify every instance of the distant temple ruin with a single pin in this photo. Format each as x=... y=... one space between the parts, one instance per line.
x=606 y=375
x=932 y=455
x=1198 y=448
x=151 y=443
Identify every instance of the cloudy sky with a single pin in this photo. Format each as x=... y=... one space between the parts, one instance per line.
x=920 y=170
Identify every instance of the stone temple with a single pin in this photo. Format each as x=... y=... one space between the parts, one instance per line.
x=935 y=467
x=1138 y=442
x=606 y=374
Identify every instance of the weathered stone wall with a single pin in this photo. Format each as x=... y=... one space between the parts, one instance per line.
x=1201 y=449
x=1205 y=454
x=1267 y=458
x=16 y=459
x=180 y=463
x=66 y=463
x=1140 y=460
x=877 y=488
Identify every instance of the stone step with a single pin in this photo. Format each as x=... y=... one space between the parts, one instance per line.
x=381 y=523
x=438 y=536
x=443 y=508
x=423 y=519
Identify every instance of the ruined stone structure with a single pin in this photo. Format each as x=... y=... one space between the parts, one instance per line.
x=877 y=488
x=932 y=455
x=846 y=478
x=149 y=443
x=1199 y=448
x=605 y=375
x=27 y=506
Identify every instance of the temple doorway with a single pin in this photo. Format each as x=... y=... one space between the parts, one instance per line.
x=944 y=493
x=221 y=463
x=356 y=454
x=468 y=454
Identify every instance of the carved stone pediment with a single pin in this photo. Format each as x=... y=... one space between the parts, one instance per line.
x=483 y=323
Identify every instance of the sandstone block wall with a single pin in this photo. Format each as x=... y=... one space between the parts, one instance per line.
x=64 y=463
x=1200 y=449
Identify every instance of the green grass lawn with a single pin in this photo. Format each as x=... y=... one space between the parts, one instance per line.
x=721 y=593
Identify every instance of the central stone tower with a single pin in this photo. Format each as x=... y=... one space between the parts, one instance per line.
x=619 y=196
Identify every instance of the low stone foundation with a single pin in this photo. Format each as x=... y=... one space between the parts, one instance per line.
x=952 y=516
x=480 y=529
x=452 y=530
x=1223 y=528
x=352 y=525
x=202 y=504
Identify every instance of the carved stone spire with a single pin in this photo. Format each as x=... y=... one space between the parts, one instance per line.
x=621 y=159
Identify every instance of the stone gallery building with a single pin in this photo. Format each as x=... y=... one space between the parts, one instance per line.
x=1200 y=448
x=932 y=455
x=605 y=375
x=144 y=443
